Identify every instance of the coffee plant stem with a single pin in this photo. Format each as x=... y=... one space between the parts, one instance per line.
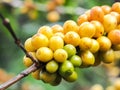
x=6 y=23
x=27 y=71
x=21 y=75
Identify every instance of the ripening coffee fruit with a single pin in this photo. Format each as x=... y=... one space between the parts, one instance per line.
x=60 y=55
x=44 y=54
x=70 y=49
x=52 y=66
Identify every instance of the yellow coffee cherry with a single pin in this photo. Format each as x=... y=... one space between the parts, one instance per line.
x=88 y=58
x=27 y=61
x=108 y=56
x=82 y=18
x=109 y=22
x=87 y=29
x=28 y=45
x=57 y=28
x=59 y=34
x=36 y=74
x=39 y=40
x=44 y=54
x=85 y=43
x=99 y=29
x=70 y=25
x=53 y=16
x=96 y=13
x=95 y=46
x=117 y=15
x=60 y=55
x=116 y=7
x=56 y=42
x=46 y=30
x=72 y=37
x=104 y=42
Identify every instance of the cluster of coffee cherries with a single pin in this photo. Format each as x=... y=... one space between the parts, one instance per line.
x=88 y=42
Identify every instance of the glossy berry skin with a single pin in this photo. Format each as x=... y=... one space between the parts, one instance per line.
x=114 y=36
x=70 y=25
x=104 y=42
x=72 y=37
x=86 y=29
x=44 y=54
x=60 y=55
x=76 y=60
x=66 y=68
x=56 y=42
x=88 y=58
x=70 y=49
x=39 y=40
x=46 y=30
x=52 y=66
x=28 y=45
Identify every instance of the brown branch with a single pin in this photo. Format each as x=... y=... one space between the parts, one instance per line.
x=26 y=72
x=6 y=23
x=18 y=77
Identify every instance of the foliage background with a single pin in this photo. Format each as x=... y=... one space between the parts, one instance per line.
x=11 y=56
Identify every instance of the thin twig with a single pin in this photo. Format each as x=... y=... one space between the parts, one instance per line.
x=6 y=23
x=18 y=77
x=26 y=72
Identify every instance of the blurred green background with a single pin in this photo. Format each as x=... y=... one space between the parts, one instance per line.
x=26 y=25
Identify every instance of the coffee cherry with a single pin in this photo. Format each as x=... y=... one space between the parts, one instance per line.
x=56 y=81
x=36 y=74
x=76 y=60
x=47 y=77
x=114 y=36
x=95 y=46
x=60 y=55
x=88 y=58
x=99 y=29
x=73 y=77
x=82 y=18
x=86 y=29
x=66 y=68
x=116 y=7
x=39 y=40
x=53 y=16
x=46 y=30
x=44 y=54
x=106 y=9
x=27 y=61
x=72 y=37
x=70 y=25
x=105 y=43
x=71 y=50
x=109 y=22
x=56 y=42
x=85 y=43
x=108 y=56
x=96 y=13
x=57 y=28
x=28 y=45
x=52 y=66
